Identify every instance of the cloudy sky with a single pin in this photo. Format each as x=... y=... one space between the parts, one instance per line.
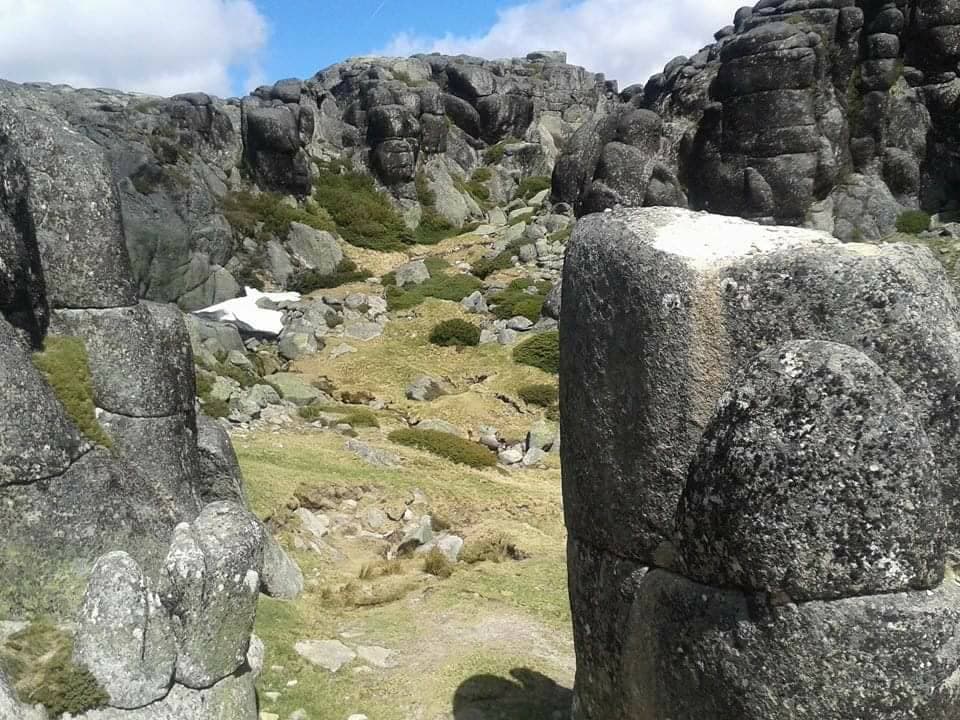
x=227 y=47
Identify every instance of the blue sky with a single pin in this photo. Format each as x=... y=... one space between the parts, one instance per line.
x=307 y=36
x=228 y=47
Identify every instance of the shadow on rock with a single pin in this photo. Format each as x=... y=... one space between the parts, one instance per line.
x=527 y=696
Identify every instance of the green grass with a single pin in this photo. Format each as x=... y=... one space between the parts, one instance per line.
x=244 y=210
x=443 y=287
x=306 y=281
x=515 y=300
x=542 y=395
x=434 y=228
x=39 y=662
x=364 y=216
x=532 y=185
x=446 y=445
x=353 y=416
x=455 y=333
x=913 y=222
x=541 y=351
x=65 y=365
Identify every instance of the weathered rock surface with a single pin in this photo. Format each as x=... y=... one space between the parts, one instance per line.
x=828 y=114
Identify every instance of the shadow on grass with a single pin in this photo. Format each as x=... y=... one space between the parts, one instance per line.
x=528 y=695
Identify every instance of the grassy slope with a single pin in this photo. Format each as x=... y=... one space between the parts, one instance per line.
x=458 y=640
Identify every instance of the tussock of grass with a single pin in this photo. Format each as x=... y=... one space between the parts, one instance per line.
x=495 y=153
x=542 y=394
x=360 y=418
x=496 y=549
x=437 y=564
x=380 y=568
x=913 y=222
x=64 y=364
x=541 y=351
x=356 y=594
x=445 y=445
x=39 y=663
x=306 y=281
x=364 y=216
x=484 y=267
x=455 y=333
x=532 y=185
x=244 y=210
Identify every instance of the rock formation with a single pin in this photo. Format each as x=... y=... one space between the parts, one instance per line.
x=774 y=412
x=832 y=114
x=177 y=162
x=119 y=498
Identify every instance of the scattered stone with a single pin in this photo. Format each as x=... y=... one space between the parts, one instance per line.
x=512 y=455
x=475 y=303
x=375 y=519
x=412 y=273
x=373 y=456
x=506 y=336
x=341 y=350
x=363 y=331
x=519 y=323
x=419 y=535
x=295 y=389
x=295 y=345
x=439 y=426
x=377 y=656
x=533 y=456
x=331 y=655
x=317 y=525
x=281 y=577
x=425 y=389
x=542 y=435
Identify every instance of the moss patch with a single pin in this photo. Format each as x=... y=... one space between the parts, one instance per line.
x=522 y=297
x=39 y=663
x=65 y=365
x=446 y=445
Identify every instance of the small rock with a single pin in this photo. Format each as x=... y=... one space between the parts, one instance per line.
x=425 y=388
x=533 y=456
x=506 y=336
x=539 y=199
x=474 y=303
x=377 y=656
x=417 y=536
x=373 y=456
x=316 y=525
x=240 y=360
x=413 y=273
x=512 y=455
x=541 y=435
x=295 y=345
x=527 y=253
x=487 y=337
x=439 y=426
x=523 y=212
x=299 y=714
x=375 y=519
x=497 y=217
x=264 y=715
x=272 y=696
x=363 y=330
x=450 y=546
x=341 y=350
x=519 y=323
x=329 y=654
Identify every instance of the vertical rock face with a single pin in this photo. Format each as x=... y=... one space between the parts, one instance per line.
x=828 y=472
x=836 y=115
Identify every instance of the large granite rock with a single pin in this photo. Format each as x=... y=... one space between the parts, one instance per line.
x=830 y=114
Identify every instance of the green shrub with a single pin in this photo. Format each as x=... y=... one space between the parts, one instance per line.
x=39 y=663
x=913 y=222
x=425 y=196
x=485 y=267
x=314 y=411
x=64 y=364
x=244 y=210
x=306 y=281
x=437 y=564
x=364 y=216
x=532 y=185
x=455 y=333
x=561 y=236
x=482 y=175
x=516 y=300
x=215 y=408
x=541 y=351
x=542 y=395
x=443 y=287
x=446 y=445
x=434 y=227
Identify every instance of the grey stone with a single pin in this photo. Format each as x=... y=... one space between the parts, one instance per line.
x=542 y=435
x=373 y=456
x=520 y=323
x=552 y=305
x=263 y=395
x=125 y=635
x=296 y=345
x=512 y=455
x=412 y=273
x=363 y=330
x=440 y=426
x=421 y=534
x=281 y=577
x=450 y=546
x=210 y=582
x=533 y=456
x=424 y=389
x=314 y=249
x=240 y=360
x=12 y=709
x=506 y=336
x=474 y=303
x=294 y=388
x=376 y=656
x=375 y=519
x=331 y=655
x=316 y=525
x=813 y=480
x=758 y=662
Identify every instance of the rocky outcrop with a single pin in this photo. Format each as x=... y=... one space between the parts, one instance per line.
x=834 y=115
x=177 y=166
x=824 y=480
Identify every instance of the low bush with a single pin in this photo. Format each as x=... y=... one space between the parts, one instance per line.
x=542 y=395
x=434 y=227
x=360 y=418
x=313 y=412
x=485 y=267
x=913 y=222
x=40 y=666
x=380 y=568
x=495 y=153
x=214 y=407
x=443 y=287
x=445 y=445
x=306 y=281
x=437 y=564
x=364 y=216
x=532 y=185
x=518 y=300
x=244 y=210
x=541 y=351
x=65 y=365
x=455 y=333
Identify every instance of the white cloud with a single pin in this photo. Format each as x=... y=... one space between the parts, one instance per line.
x=162 y=47
x=629 y=40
